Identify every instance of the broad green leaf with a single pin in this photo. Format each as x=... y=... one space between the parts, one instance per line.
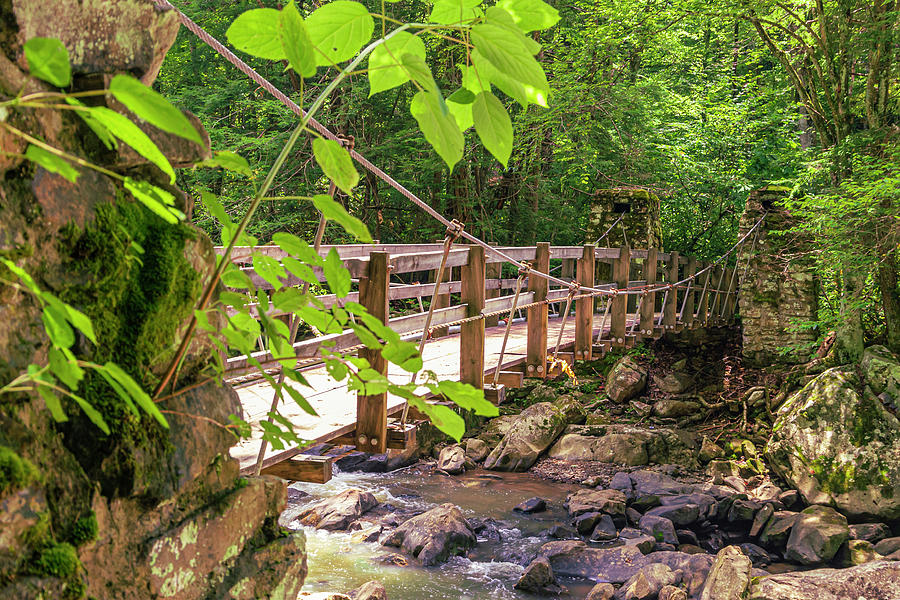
x=256 y=32
x=530 y=15
x=467 y=397
x=126 y=398
x=48 y=60
x=474 y=80
x=451 y=12
x=521 y=93
x=131 y=134
x=269 y=269
x=418 y=70
x=297 y=376
x=237 y=279
x=99 y=130
x=78 y=319
x=53 y=403
x=233 y=299
x=215 y=208
x=300 y=400
x=339 y=30
x=57 y=327
x=23 y=275
x=336 y=369
x=337 y=276
x=229 y=161
x=336 y=163
x=150 y=106
x=385 y=62
x=295 y=41
x=140 y=397
x=509 y=57
x=156 y=199
x=64 y=369
x=319 y=319
x=299 y=269
x=244 y=322
x=295 y=246
x=403 y=354
x=499 y=17
x=365 y=336
x=289 y=299
x=494 y=126
x=333 y=211
x=438 y=126
x=51 y=162
x=461 y=111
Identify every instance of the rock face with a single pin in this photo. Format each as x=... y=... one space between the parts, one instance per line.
x=336 y=513
x=371 y=590
x=538 y=578
x=624 y=445
x=626 y=380
x=533 y=431
x=875 y=580
x=729 y=577
x=611 y=502
x=144 y=511
x=646 y=583
x=452 y=460
x=816 y=535
x=434 y=536
x=836 y=444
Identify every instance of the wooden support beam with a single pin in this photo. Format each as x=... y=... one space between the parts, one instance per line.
x=398 y=437
x=471 y=334
x=584 y=308
x=511 y=379
x=621 y=268
x=495 y=394
x=670 y=309
x=687 y=313
x=442 y=301
x=536 y=360
x=307 y=468
x=493 y=271
x=648 y=304
x=716 y=296
x=731 y=296
x=371 y=411
x=703 y=307
x=567 y=270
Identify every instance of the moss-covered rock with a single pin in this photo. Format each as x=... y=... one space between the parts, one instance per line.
x=835 y=442
x=533 y=431
x=15 y=472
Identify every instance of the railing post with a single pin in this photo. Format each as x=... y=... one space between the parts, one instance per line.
x=567 y=270
x=687 y=313
x=648 y=304
x=442 y=301
x=371 y=411
x=714 y=305
x=670 y=310
x=728 y=306
x=493 y=271
x=703 y=309
x=619 y=310
x=471 y=334
x=584 y=307
x=536 y=358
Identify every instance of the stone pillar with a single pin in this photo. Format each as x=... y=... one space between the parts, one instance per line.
x=779 y=289
x=639 y=210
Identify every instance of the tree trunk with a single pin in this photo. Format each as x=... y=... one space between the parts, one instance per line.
x=849 y=343
x=890 y=301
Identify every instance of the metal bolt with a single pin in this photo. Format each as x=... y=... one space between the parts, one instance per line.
x=362 y=440
x=540 y=369
x=374 y=441
x=530 y=368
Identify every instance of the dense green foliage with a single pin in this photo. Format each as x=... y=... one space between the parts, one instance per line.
x=697 y=101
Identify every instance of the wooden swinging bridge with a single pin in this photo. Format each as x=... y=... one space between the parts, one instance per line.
x=673 y=293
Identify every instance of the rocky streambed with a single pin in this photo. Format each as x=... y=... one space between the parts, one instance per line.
x=624 y=502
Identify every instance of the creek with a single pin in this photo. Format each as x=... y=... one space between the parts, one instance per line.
x=340 y=563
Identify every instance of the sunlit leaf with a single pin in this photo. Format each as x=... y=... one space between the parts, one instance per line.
x=385 y=62
x=336 y=274
x=438 y=126
x=256 y=32
x=51 y=162
x=150 y=106
x=230 y=161
x=333 y=211
x=121 y=127
x=48 y=60
x=295 y=40
x=531 y=15
x=451 y=12
x=336 y=163
x=493 y=125
x=339 y=30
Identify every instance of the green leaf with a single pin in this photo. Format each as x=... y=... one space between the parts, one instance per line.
x=131 y=134
x=244 y=322
x=521 y=93
x=57 y=327
x=418 y=70
x=233 y=299
x=48 y=60
x=289 y=299
x=256 y=32
x=95 y=417
x=336 y=163
x=333 y=211
x=99 y=130
x=295 y=246
x=78 y=319
x=461 y=96
x=299 y=269
x=156 y=199
x=530 y=15
x=237 y=279
x=339 y=30
x=211 y=203
x=497 y=16
x=120 y=391
x=51 y=162
x=474 y=80
x=229 y=161
x=494 y=126
x=319 y=319
x=150 y=106
x=64 y=369
x=140 y=397
x=295 y=41
x=269 y=269
x=385 y=62
x=337 y=276
x=403 y=354
x=300 y=400
x=53 y=403
x=451 y=12
x=365 y=336
x=438 y=126
x=505 y=52
x=467 y=397
x=462 y=112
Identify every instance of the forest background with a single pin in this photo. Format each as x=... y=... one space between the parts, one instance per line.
x=698 y=102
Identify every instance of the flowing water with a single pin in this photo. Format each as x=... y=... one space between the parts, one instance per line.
x=339 y=563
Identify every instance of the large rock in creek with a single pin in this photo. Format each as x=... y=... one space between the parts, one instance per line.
x=625 y=445
x=533 y=431
x=729 y=577
x=434 y=536
x=646 y=583
x=816 y=535
x=872 y=581
x=539 y=579
x=611 y=502
x=338 y=512
x=626 y=380
x=836 y=443
x=452 y=460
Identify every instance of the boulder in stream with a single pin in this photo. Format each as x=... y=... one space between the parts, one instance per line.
x=371 y=590
x=338 y=512
x=729 y=576
x=434 y=536
x=872 y=581
x=539 y=579
x=533 y=431
x=626 y=380
x=817 y=535
x=452 y=460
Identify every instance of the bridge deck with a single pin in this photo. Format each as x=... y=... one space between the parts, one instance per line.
x=336 y=406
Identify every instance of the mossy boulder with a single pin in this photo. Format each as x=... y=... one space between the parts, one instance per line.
x=626 y=380
x=835 y=443
x=535 y=429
